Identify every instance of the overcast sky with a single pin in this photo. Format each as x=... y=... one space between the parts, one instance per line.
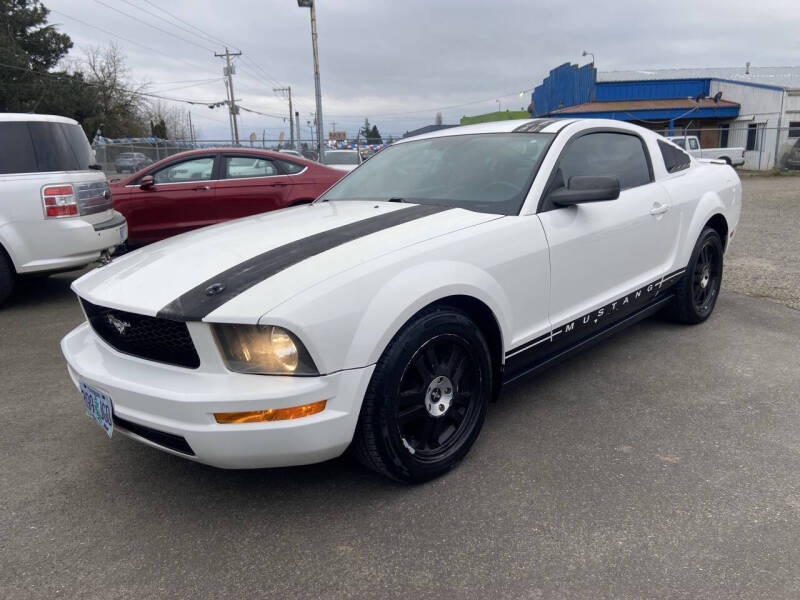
x=399 y=62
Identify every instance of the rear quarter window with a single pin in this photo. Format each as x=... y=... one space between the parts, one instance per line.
x=289 y=167
x=674 y=159
x=16 y=149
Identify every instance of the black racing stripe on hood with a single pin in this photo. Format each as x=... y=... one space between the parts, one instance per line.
x=198 y=302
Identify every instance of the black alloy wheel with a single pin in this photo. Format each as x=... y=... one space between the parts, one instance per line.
x=706 y=277
x=435 y=407
x=698 y=289
x=427 y=398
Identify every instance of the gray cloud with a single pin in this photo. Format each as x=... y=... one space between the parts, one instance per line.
x=383 y=59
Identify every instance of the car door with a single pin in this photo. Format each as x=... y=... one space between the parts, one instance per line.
x=601 y=252
x=180 y=199
x=249 y=184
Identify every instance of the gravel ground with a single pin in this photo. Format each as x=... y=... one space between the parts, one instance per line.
x=764 y=260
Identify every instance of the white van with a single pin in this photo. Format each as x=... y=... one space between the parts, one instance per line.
x=55 y=205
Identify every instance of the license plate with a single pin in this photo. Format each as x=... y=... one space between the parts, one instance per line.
x=98 y=407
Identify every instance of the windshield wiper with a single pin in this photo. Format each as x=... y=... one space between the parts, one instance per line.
x=96 y=167
x=396 y=199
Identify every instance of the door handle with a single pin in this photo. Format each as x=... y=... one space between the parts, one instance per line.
x=278 y=184
x=659 y=209
x=202 y=188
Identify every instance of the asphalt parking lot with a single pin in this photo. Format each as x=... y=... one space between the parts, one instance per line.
x=662 y=463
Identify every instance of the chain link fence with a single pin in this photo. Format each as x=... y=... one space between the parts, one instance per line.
x=128 y=155
x=761 y=148
x=748 y=145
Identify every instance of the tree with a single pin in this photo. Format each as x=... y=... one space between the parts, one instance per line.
x=30 y=48
x=365 y=130
x=118 y=105
x=374 y=136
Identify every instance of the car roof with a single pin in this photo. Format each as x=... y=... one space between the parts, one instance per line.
x=546 y=125
x=232 y=150
x=34 y=117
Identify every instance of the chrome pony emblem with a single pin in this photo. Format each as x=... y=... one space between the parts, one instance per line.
x=117 y=324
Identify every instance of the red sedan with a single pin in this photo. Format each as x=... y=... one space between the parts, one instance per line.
x=202 y=187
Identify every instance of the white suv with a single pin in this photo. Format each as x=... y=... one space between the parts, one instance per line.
x=55 y=205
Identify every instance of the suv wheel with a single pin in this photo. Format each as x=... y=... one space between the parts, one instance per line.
x=428 y=397
x=697 y=291
x=7 y=276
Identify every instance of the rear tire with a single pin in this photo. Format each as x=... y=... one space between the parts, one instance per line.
x=428 y=397
x=698 y=289
x=7 y=277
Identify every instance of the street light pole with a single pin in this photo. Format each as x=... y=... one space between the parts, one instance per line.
x=311 y=5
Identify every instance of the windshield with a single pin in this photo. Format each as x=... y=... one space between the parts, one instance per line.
x=488 y=172
x=341 y=158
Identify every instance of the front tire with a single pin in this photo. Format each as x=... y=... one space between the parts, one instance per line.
x=427 y=399
x=697 y=292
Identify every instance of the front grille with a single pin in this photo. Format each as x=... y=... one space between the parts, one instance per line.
x=93 y=197
x=162 y=438
x=151 y=338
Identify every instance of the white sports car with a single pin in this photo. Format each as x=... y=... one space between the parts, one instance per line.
x=387 y=314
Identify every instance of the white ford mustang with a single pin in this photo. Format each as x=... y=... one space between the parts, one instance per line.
x=387 y=314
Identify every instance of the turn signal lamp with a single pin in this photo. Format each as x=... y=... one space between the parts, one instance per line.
x=273 y=414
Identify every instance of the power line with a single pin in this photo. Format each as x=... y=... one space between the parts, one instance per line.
x=130 y=16
x=91 y=84
x=208 y=36
x=117 y=36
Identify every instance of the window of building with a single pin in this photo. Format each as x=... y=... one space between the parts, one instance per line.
x=724 y=131
x=794 y=129
x=754 y=134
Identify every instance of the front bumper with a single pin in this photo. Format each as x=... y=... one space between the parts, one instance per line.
x=181 y=402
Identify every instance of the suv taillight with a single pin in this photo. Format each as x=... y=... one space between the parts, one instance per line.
x=59 y=201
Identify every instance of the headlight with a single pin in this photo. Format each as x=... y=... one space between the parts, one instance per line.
x=263 y=349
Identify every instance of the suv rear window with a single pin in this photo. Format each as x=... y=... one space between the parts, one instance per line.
x=674 y=160
x=43 y=146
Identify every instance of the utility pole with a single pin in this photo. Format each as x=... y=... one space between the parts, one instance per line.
x=297 y=118
x=191 y=128
x=228 y=71
x=291 y=122
x=310 y=5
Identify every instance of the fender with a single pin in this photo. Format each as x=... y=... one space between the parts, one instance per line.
x=7 y=245
x=708 y=205
x=403 y=296
x=342 y=332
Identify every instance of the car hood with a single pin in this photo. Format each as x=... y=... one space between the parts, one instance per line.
x=212 y=274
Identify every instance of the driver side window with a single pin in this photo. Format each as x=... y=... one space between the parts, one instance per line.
x=197 y=169
x=617 y=155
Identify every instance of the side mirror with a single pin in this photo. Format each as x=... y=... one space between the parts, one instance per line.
x=146 y=182
x=586 y=189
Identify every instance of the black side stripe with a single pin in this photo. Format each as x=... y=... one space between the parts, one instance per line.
x=198 y=302
x=597 y=319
